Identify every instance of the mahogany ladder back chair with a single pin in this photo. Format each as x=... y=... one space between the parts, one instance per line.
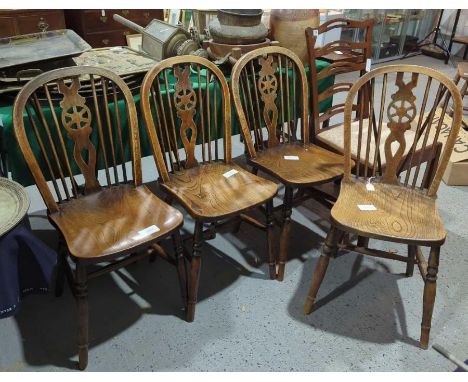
x=203 y=178
x=396 y=208
x=352 y=56
x=68 y=122
x=329 y=134
x=269 y=87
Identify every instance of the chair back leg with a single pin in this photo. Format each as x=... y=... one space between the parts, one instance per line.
x=81 y=294
x=270 y=223
x=284 y=239
x=411 y=259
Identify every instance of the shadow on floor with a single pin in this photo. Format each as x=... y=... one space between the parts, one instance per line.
x=357 y=299
x=48 y=325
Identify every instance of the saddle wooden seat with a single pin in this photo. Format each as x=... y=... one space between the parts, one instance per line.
x=208 y=195
x=314 y=166
x=402 y=214
x=115 y=218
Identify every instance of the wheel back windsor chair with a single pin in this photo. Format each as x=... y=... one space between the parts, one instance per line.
x=270 y=91
x=397 y=208
x=68 y=123
x=179 y=103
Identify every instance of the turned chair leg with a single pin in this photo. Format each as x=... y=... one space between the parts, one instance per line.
x=329 y=249
x=429 y=296
x=180 y=263
x=194 y=278
x=284 y=238
x=411 y=260
x=60 y=275
x=81 y=294
x=270 y=222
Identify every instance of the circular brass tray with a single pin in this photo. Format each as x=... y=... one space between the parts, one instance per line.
x=14 y=204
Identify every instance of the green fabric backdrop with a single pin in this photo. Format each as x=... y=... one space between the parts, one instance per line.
x=20 y=172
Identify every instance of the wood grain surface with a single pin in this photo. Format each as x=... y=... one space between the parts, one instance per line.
x=208 y=195
x=402 y=214
x=112 y=219
x=315 y=165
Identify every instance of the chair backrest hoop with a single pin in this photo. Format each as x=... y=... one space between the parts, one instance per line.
x=146 y=87
x=413 y=69
x=235 y=86
x=29 y=89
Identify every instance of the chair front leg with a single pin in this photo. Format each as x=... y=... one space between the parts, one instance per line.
x=270 y=222
x=81 y=294
x=180 y=263
x=329 y=249
x=284 y=238
x=194 y=278
x=430 y=285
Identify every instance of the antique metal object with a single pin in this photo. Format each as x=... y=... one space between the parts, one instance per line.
x=160 y=39
x=229 y=52
x=238 y=27
x=26 y=49
x=14 y=204
x=127 y=63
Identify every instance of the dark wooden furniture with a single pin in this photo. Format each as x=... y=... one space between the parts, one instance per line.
x=462 y=40
x=99 y=29
x=352 y=57
x=101 y=218
x=15 y=22
x=269 y=87
x=399 y=208
x=328 y=125
x=462 y=74
x=343 y=50
x=198 y=178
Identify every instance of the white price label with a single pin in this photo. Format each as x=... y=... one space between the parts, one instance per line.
x=338 y=52
x=230 y=173
x=315 y=32
x=368 y=64
x=367 y=207
x=103 y=12
x=370 y=187
x=146 y=232
x=291 y=157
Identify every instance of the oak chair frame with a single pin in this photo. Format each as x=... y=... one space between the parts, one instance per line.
x=390 y=184
x=311 y=174
x=74 y=121
x=163 y=133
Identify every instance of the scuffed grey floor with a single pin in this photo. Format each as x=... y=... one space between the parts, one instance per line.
x=368 y=316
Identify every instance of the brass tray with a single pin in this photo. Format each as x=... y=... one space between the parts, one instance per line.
x=28 y=48
x=119 y=59
x=14 y=204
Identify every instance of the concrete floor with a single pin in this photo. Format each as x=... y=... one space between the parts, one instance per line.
x=368 y=318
